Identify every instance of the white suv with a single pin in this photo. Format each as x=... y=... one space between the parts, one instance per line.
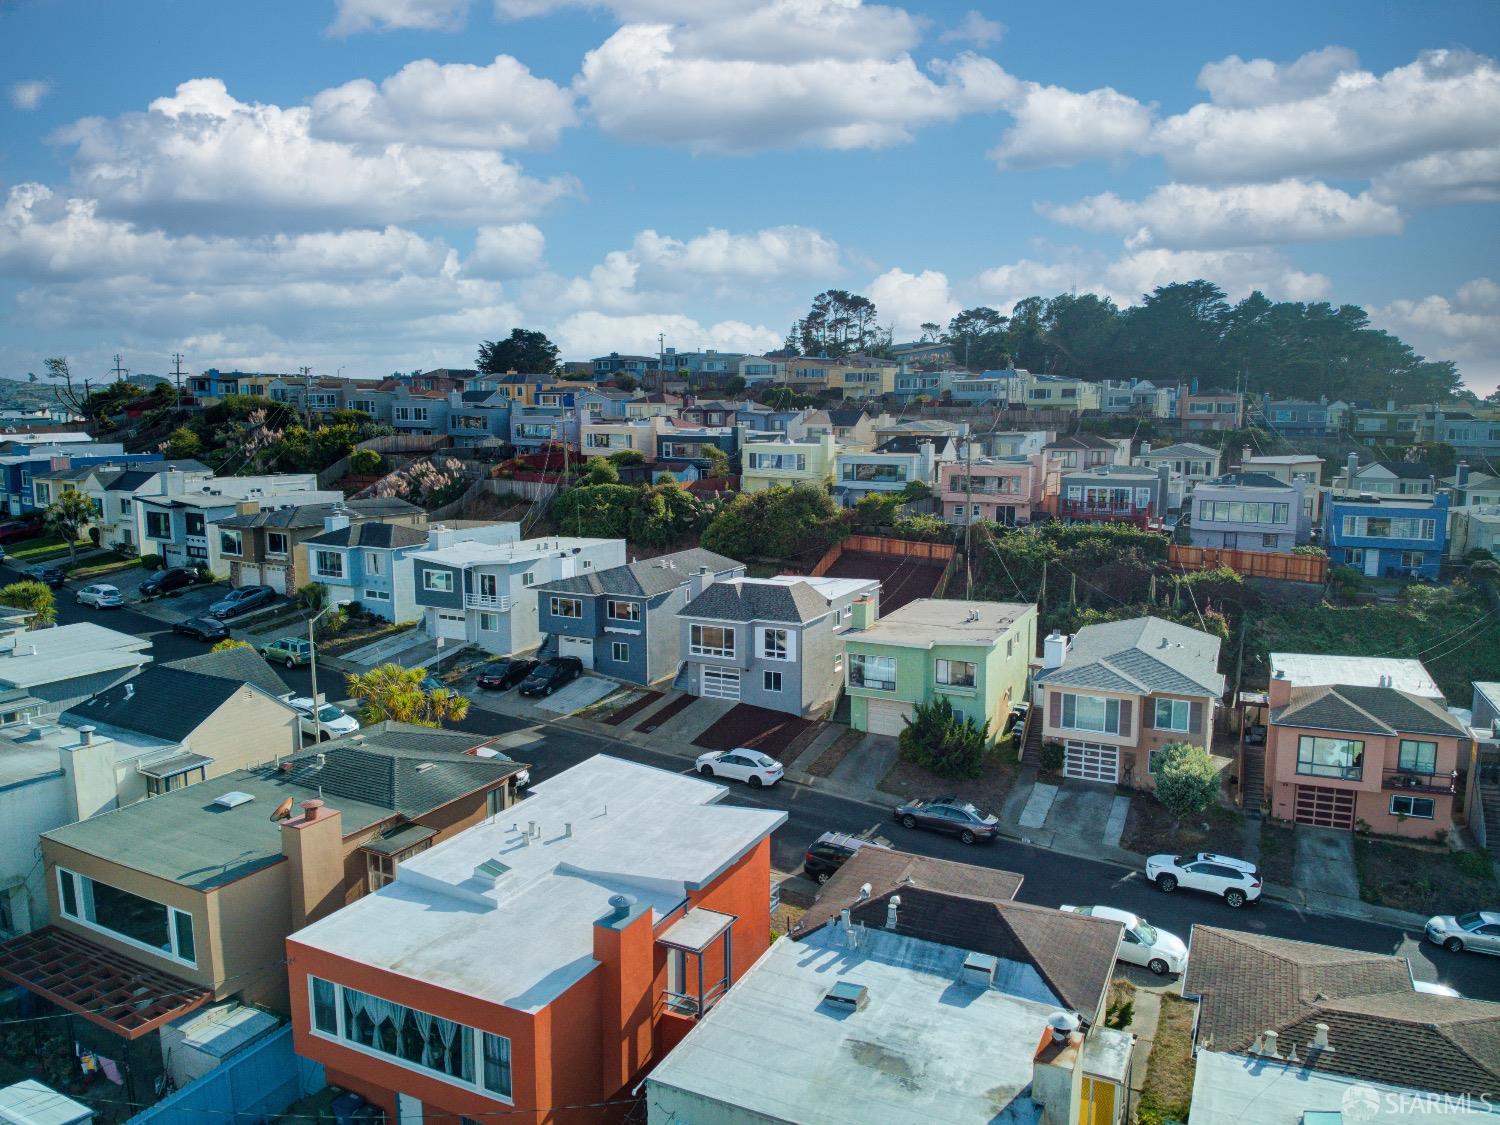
x=1236 y=881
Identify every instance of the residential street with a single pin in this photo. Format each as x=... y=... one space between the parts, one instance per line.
x=1052 y=878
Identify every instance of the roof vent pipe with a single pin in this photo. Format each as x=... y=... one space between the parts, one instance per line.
x=1320 y=1038
x=1269 y=1045
x=865 y=890
x=891 y=907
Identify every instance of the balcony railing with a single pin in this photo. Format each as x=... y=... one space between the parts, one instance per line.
x=1091 y=510
x=498 y=602
x=688 y=1004
x=1418 y=781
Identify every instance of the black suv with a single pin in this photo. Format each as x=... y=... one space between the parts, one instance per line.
x=50 y=575
x=831 y=851
x=165 y=581
x=503 y=674
x=552 y=675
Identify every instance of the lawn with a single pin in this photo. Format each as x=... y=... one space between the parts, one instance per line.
x=1150 y=828
x=1449 y=628
x=988 y=790
x=1168 y=1090
x=1424 y=880
x=1278 y=853
x=44 y=548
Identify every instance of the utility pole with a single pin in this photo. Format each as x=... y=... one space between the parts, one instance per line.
x=120 y=372
x=306 y=395
x=177 y=371
x=968 y=511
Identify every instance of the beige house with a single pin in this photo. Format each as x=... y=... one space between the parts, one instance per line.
x=264 y=546
x=602 y=439
x=1114 y=693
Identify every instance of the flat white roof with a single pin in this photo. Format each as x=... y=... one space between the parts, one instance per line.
x=925 y=1047
x=1226 y=1086
x=938 y=621
x=45 y=656
x=829 y=589
x=469 y=553
x=1313 y=669
x=522 y=933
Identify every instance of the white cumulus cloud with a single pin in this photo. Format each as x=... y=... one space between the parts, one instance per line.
x=1057 y=126
x=501 y=105
x=513 y=250
x=1463 y=327
x=28 y=94
x=1194 y=215
x=354 y=16
x=974 y=28
x=1237 y=82
x=591 y=333
x=905 y=301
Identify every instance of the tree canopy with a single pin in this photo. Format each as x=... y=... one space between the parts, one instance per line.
x=839 y=323
x=778 y=523
x=525 y=351
x=1189 y=330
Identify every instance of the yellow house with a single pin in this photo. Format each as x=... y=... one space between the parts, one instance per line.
x=600 y=439
x=865 y=380
x=659 y=405
x=767 y=464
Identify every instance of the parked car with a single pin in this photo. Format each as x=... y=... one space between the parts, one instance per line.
x=330 y=722
x=1142 y=943
x=166 y=581
x=50 y=575
x=1017 y=716
x=741 y=764
x=203 y=628
x=548 y=677
x=949 y=814
x=831 y=851
x=1236 y=881
x=291 y=651
x=25 y=528
x=502 y=674
x=241 y=601
x=1478 y=930
x=100 y=596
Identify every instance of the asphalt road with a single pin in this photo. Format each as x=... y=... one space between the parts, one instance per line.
x=1051 y=878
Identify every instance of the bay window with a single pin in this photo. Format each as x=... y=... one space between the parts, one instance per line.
x=1174 y=714
x=565 y=607
x=1416 y=756
x=329 y=564
x=711 y=640
x=127 y=916
x=956 y=673
x=775 y=645
x=623 y=611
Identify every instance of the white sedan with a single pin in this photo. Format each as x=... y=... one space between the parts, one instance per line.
x=331 y=721
x=101 y=596
x=741 y=764
x=1142 y=943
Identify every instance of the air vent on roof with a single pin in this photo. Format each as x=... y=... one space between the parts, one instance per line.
x=234 y=799
x=979 y=969
x=424 y=766
x=847 y=996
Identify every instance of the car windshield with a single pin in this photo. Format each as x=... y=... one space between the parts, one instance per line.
x=329 y=713
x=1184 y=860
x=1146 y=931
x=972 y=811
x=1469 y=921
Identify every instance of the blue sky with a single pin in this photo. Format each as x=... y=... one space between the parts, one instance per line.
x=379 y=184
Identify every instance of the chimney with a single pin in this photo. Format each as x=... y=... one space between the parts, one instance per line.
x=625 y=949
x=1268 y=1045
x=246 y=507
x=336 y=522
x=89 y=770
x=1056 y=1070
x=863 y=615
x=1279 y=693
x=1461 y=474
x=313 y=843
x=698 y=581
x=1244 y=455
x=1054 y=651
x=893 y=904
x=1352 y=468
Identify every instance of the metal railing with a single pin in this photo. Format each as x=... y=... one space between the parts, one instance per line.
x=497 y=602
x=688 y=1004
x=1419 y=781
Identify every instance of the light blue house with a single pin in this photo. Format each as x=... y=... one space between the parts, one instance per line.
x=479 y=417
x=1386 y=536
x=533 y=428
x=371 y=567
x=622 y=621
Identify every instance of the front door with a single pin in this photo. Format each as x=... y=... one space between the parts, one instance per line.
x=1089 y=761
x=1372 y=562
x=489 y=586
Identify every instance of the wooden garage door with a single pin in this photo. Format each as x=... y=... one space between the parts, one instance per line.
x=1324 y=808
x=886 y=716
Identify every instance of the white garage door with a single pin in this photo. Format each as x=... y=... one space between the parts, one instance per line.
x=581 y=647
x=885 y=716
x=274 y=577
x=1088 y=761
x=450 y=625
x=249 y=575
x=721 y=683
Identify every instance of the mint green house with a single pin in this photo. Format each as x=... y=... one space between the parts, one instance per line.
x=976 y=654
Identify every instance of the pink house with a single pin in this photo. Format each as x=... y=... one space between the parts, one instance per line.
x=1338 y=755
x=1000 y=490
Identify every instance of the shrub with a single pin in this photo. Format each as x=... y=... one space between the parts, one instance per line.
x=1053 y=755
x=628 y=457
x=924 y=529
x=94 y=536
x=150 y=562
x=777 y=523
x=1187 y=781
x=228 y=643
x=312 y=597
x=1474 y=864
x=33 y=596
x=937 y=739
x=365 y=462
x=600 y=471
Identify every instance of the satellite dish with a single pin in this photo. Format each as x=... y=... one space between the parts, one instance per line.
x=283 y=810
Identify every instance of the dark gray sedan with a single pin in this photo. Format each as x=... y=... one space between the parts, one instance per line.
x=951 y=815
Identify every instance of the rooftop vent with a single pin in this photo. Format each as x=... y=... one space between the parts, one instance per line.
x=847 y=996
x=979 y=969
x=129 y=688
x=423 y=766
x=234 y=799
x=1062 y=1024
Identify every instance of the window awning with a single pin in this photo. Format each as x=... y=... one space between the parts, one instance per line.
x=400 y=839
x=104 y=987
x=696 y=930
x=172 y=765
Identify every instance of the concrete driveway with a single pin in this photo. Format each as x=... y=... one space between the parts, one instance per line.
x=582 y=692
x=1325 y=862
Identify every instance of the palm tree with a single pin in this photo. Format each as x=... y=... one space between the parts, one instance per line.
x=393 y=692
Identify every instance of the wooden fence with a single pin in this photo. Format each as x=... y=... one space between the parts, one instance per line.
x=878 y=545
x=1251 y=564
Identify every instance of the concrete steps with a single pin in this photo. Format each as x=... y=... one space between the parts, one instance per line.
x=1489 y=797
x=1031 y=748
x=1253 y=780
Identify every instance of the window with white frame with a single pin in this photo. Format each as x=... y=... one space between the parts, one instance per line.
x=771 y=681
x=1174 y=714
x=489 y=622
x=622 y=610
x=230 y=543
x=128 y=916
x=276 y=543
x=328 y=564
x=1091 y=713
x=957 y=673
x=877 y=673
x=528 y=578
x=1419 y=808
x=438 y=581
x=775 y=645
x=377 y=595
x=412 y=1038
x=372 y=563
x=711 y=640
x=1389 y=527
x=565 y=607
x=619 y=652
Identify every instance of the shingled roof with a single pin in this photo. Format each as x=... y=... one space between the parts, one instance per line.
x=1366 y=710
x=1380 y=1027
x=647 y=577
x=751 y=599
x=160 y=702
x=972 y=908
x=240 y=664
x=411 y=770
x=312 y=515
x=1140 y=656
x=371 y=533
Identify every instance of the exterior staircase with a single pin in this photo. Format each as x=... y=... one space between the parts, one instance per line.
x=1253 y=780
x=683 y=678
x=1489 y=798
x=1031 y=744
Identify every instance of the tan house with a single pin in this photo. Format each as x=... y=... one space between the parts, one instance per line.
x=1347 y=755
x=851 y=427
x=1114 y=693
x=264 y=547
x=170 y=904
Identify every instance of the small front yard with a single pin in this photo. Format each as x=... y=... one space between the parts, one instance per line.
x=44 y=548
x=988 y=791
x=1168 y=1090
x=1278 y=852
x=1423 y=879
x=1150 y=829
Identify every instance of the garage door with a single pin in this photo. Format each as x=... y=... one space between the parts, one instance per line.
x=581 y=647
x=1089 y=761
x=1324 y=808
x=274 y=577
x=721 y=683
x=249 y=574
x=884 y=716
x=450 y=626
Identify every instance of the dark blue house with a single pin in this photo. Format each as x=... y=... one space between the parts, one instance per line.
x=1386 y=536
x=622 y=622
x=690 y=443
